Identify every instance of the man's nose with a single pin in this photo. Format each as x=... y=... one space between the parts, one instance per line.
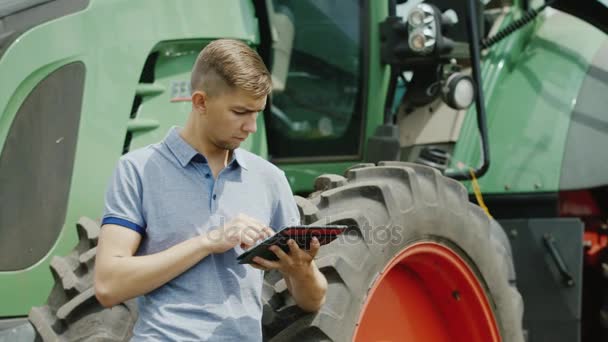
x=250 y=125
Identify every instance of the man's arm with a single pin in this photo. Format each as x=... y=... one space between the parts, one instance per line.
x=119 y=275
x=305 y=282
x=308 y=288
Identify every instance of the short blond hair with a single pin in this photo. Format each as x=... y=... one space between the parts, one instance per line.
x=235 y=64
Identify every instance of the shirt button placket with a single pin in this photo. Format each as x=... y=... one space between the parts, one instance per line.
x=214 y=190
x=211 y=188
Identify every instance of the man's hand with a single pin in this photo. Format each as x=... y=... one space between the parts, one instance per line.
x=241 y=230
x=305 y=282
x=296 y=262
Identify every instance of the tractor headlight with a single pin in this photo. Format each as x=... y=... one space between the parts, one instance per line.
x=422 y=41
x=422 y=29
x=416 y=17
x=458 y=91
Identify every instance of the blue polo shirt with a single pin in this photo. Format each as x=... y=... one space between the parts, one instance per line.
x=167 y=193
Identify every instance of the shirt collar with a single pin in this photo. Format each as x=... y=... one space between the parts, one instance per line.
x=185 y=153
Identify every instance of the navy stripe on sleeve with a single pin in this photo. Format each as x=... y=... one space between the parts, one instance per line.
x=124 y=223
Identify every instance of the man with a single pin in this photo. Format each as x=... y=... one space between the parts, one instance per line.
x=179 y=212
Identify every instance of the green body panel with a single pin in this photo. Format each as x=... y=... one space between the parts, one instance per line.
x=529 y=103
x=302 y=175
x=113 y=68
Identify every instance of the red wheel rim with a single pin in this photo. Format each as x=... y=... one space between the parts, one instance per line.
x=427 y=293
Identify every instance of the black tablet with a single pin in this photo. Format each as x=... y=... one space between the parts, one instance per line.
x=302 y=235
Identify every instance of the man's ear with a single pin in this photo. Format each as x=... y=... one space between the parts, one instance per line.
x=199 y=101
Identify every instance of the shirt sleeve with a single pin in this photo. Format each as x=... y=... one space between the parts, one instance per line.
x=286 y=211
x=123 y=199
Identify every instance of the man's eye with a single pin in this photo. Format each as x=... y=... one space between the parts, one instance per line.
x=239 y=113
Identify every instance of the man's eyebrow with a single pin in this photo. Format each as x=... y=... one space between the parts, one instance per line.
x=245 y=109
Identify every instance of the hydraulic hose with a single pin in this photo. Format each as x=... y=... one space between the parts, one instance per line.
x=480 y=106
x=529 y=16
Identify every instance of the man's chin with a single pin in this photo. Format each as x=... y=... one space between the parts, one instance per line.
x=230 y=146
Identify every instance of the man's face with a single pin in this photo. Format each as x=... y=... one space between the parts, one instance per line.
x=230 y=117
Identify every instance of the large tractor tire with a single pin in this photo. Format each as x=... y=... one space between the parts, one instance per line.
x=72 y=312
x=419 y=263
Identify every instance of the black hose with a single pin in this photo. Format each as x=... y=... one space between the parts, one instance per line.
x=514 y=26
x=480 y=106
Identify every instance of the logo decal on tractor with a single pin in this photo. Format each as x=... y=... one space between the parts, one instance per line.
x=180 y=91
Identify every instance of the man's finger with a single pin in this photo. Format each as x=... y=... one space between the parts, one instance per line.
x=293 y=247
x=260 y=230
x=247 y=242
x=252 y=230
x=315 y=245
x=263 y=233
x=267 y=264
x=251 y=222
x=279 y=252
x=268 y=232
x=251 y=234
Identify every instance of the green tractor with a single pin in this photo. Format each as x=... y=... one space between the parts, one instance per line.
x=404 y=99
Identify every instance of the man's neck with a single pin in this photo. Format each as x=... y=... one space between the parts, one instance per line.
x=197 y=139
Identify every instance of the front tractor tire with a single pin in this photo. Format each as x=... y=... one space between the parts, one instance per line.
x=419 y=263
x=72 y=312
